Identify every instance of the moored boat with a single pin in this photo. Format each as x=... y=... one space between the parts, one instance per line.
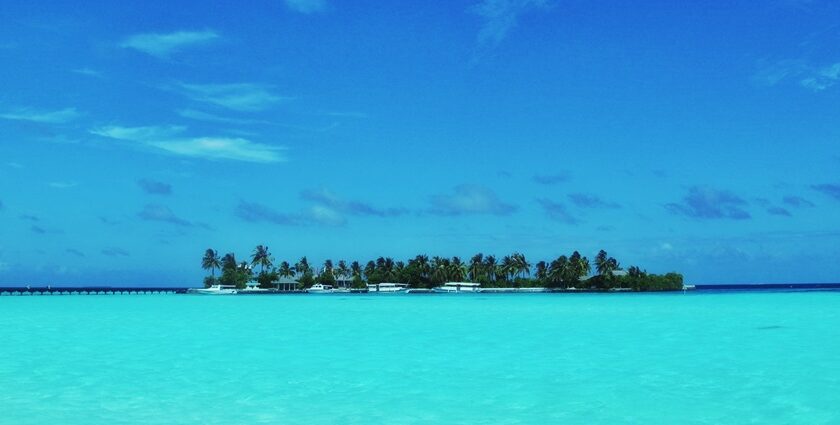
x=319 y=288
x=214 y=290
x=387 y=288
x=458 y=287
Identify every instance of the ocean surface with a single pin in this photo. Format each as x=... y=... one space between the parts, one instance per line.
x=703 y=358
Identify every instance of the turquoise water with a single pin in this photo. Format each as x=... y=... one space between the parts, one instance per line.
x=730 y=358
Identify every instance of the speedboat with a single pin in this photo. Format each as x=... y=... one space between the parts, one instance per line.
x=214 y=290
x=458 y=287
x=319 y=288
x=387 y=287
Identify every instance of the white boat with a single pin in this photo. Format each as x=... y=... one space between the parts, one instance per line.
x=214 y=290
x=457 y=287
x=319 y=288
x=387 y=287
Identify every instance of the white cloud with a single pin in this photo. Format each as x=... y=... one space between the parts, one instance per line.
x=811 y=77
x=222 y=148
x=88 y=72
x=141 y=134
x=500 y=16
x=168 y=139
x=238 y=96
x=194 y=114
x=306 y=6
x=325 y=215
x=822 y=78
x=162 y=45
x=48 y=117
x=470 y=199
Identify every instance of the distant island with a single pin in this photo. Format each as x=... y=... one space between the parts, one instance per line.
x=572 y=272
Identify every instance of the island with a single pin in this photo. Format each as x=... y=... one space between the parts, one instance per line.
x=566 y=273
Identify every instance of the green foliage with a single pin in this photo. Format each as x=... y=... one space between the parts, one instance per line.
x=236 y=277
x=326 y=278
x=424 y=272
x=267 y=279
x=210 y=281
x=644 y=281
x=306 y=281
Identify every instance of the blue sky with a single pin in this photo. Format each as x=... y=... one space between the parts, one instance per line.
x=675 y=135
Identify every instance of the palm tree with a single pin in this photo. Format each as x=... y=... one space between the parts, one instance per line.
x=507 y=266
x=341 y=272
x=521 y=267
x=490 y=268
x=388 y=270
x=302 y=267
x=285 y=270
x=541 y=271
x=603 y=264
x=580 y=265
x=440 y=269
x=476 y=267
x=559 y=271
x=229 y=261
x=456 y=270
x=262 y=257
x=422 y=263
x=370 y=270
x=211 y=261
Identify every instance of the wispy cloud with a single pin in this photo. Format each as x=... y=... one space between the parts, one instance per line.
x=832 y=190
x=470 y=199
x=779 y=211
x=47 y=117
x=164 y=44
x=797 y=201
x=359 y=208
x=155 y=187
x=500 y=16
x=815 y=78
x=822 y=78
x=155 y=212
x=194 y=114
x=245 y=97
x=347 y=114
x=134 y=134
x=557 y=211
x=115 y=252
x=706 y=203
x=585 y=200
x=320 y=214
x=550 y=179
x=87 y=72
x=254 y=212
x=306 y=6
x=220 y=148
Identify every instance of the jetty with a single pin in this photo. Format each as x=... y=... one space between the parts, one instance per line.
x=89 y=290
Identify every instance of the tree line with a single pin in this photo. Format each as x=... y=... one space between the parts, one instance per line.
x=422 y=271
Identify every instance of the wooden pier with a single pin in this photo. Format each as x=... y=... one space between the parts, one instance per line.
x=87 y=290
